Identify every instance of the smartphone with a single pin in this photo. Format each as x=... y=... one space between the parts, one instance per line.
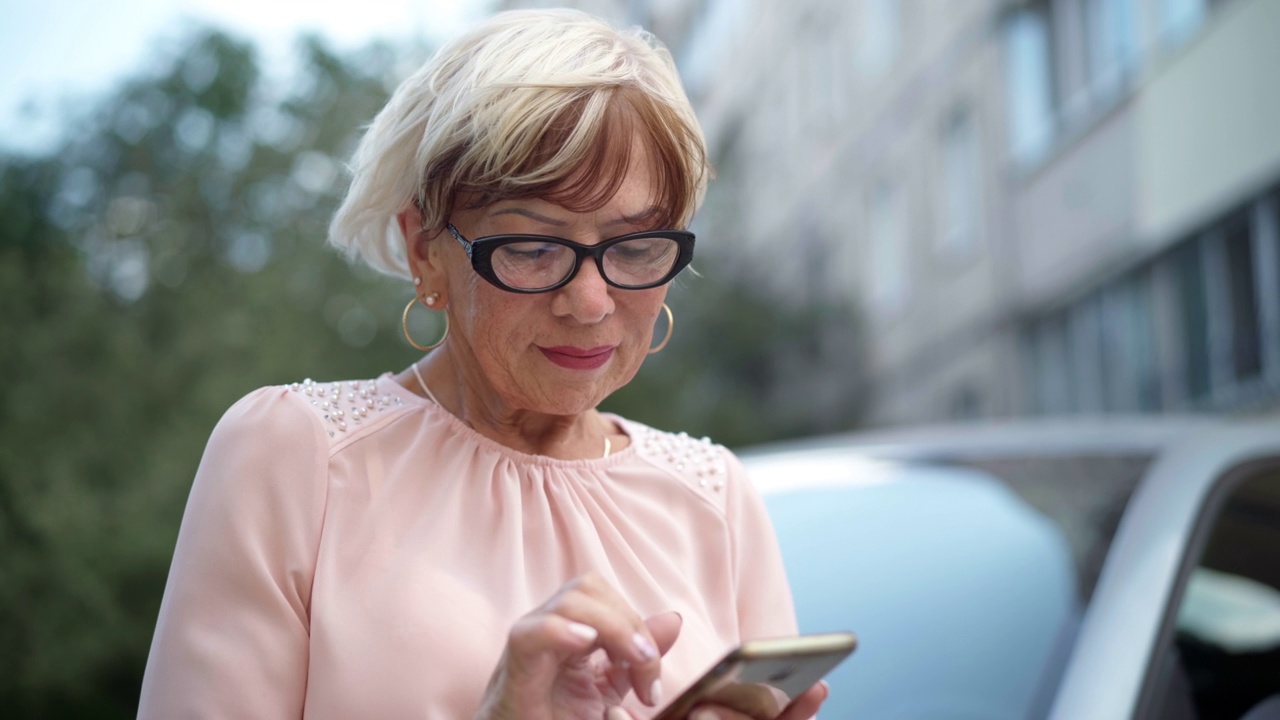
x=762 y=677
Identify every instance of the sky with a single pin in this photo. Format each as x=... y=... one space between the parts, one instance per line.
x=58 y=51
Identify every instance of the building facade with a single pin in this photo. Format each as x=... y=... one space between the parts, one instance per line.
x=1038 y=206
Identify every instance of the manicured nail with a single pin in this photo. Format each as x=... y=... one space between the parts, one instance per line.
x=586 y=632
x=655 y=693
x=646 y=648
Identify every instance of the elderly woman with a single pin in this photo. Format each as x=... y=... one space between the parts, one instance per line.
x=472 y=538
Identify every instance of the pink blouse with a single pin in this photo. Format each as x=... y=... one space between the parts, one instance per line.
x=353 y=550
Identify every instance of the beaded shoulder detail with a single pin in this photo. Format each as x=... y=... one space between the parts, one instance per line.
x=347 y=404
x=700 y=461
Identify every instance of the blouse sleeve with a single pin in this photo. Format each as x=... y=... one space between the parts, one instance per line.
x=765 y=608
x=233 y=633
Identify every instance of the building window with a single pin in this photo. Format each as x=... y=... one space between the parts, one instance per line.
x=1197 y=328
x=962 y=178
x=823 y=87
x=1270 y=233
x=1180 y=20
x=1129 y=346
x=793 y=97
x=1052 y=389
x=1267 y=258
x=1029 y=77
x=1242 y=294
x=878 y=38
x=715 y=28
x=965 y=404
x=1193 y=315
x=824 y=78
x=1086 y=356
x=887 y=221
x=1112 y=40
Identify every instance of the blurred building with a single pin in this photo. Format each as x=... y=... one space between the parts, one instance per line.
x=1040 y=206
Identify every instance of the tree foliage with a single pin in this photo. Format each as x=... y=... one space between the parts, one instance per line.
x=167 y=259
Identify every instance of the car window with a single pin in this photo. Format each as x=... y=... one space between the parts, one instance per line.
x=1220 y=652
x=1084 y=495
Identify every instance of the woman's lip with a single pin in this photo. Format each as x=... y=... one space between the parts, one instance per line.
x=576 y=358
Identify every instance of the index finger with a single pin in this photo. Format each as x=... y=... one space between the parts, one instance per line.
x=623 y=634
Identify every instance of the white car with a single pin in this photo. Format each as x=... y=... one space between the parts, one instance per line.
x=1082 y=570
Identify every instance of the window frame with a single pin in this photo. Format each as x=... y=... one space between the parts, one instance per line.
x=1150 y=693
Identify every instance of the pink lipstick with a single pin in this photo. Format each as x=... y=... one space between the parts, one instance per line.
x=576 y=358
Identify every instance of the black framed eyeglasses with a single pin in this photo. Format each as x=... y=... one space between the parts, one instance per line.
x=541 y=263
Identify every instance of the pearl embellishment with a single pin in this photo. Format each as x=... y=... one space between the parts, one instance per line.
x=345 y=404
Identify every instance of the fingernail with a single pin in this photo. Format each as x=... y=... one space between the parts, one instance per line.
x=586 y=632
x=655 y=693
x=616 y=713
x=704 y=714
x=646 y=648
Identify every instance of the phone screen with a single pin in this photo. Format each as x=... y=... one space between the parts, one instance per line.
x=761 y=678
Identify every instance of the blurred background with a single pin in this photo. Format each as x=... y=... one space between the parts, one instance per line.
x=925 y=211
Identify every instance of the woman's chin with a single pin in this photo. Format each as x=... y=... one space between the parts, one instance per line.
x=567 y=400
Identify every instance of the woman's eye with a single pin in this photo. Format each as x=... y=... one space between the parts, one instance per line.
x=528 y=252
x=642 y=250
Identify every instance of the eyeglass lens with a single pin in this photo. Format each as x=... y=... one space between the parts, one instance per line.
x=530 y=265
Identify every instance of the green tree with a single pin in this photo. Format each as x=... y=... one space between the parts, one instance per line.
x=167 y=259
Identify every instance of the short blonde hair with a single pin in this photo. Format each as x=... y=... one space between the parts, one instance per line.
x=530 y=104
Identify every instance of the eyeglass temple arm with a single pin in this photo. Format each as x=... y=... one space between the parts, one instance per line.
x=466 y=245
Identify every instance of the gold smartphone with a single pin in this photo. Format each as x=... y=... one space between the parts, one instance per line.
x=762 y=677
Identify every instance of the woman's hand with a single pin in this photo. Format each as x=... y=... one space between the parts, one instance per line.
x=578 y=655
x=755 y=702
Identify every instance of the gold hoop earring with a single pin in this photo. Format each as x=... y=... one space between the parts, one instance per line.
x=404 y=323
x=671 y=325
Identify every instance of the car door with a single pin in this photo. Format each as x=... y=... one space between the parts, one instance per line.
x=1218 y=652
x=1185 y=622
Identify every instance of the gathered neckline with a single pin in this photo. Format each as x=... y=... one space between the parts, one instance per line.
x=519 y=456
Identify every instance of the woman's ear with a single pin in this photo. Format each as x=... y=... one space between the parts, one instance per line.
x=424 y=264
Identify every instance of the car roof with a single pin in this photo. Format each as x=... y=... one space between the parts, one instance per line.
x=1102 y=435
x=1189 y=454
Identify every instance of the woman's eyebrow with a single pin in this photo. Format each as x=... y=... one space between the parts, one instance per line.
x=639 y=218
x=529 y=214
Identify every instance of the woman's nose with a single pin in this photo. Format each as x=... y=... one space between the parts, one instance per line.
x=586 y=298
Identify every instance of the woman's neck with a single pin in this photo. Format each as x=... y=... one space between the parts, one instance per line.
x=583 y=435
